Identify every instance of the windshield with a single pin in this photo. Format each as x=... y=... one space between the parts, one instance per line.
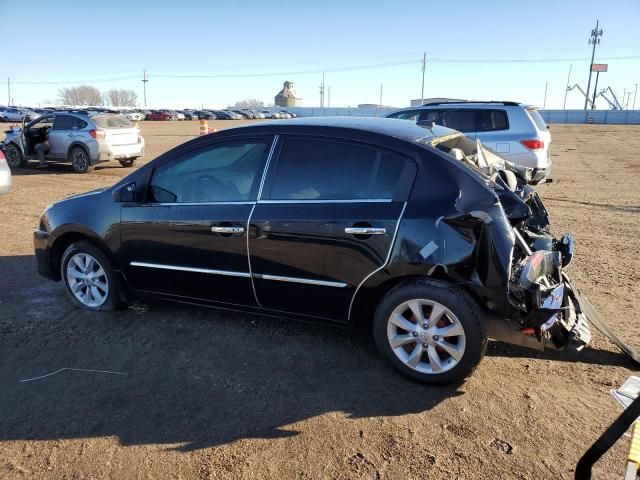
x=112 y=121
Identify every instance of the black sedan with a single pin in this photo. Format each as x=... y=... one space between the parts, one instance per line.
x=378 y=223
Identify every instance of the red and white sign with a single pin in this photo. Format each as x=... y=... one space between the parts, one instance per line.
x=599 y=67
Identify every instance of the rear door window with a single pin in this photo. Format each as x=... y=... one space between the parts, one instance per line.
x=461 y=120
x=63 y=122
x=491 y=120
x=312 y=169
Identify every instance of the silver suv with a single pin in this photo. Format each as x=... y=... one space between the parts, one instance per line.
x=81 y=138
x=514 y=130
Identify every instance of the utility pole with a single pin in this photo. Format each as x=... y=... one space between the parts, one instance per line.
x=595 y=92
x=544 y=103
x=594 y=40
x=566 y=91
x=144 y=86
x=329 y=98
x=322 y=92
x=9 y=90
x=424 y=67
x=379 y=102
x=635 y=92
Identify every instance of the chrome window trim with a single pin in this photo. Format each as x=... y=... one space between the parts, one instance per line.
x=266 y=166
x=253 y=285
x=191 y=269
x=306 y=281
x=393 y=242
x=368 y=200
x=180 y=204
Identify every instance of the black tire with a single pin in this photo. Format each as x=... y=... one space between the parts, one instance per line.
x=112 y=301
x=15 y=158
x=459 y=303
x=129 y=162
x=80 y=160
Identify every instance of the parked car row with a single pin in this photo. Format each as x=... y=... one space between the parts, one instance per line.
x=17 y=114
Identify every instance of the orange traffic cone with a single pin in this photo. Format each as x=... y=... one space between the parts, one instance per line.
x=204 y=127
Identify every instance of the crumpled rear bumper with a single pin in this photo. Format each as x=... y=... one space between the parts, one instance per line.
x=557 y=314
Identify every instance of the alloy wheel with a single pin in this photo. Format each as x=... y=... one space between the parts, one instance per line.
x=426 y=336
x=87 y=280
x=80 y=160
x=14 y=158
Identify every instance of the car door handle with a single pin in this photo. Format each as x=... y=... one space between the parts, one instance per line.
x=228 y=230
x=365 y=230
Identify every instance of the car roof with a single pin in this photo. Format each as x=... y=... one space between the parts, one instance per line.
x=400 y=129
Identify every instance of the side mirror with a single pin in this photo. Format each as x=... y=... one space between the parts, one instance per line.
x=125 y=193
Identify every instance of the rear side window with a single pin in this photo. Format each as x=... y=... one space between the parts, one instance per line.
x=491 y=120
x=112 y=121
x=78 y=124
x=537 y=119
x=323 y=170
x=63 y=122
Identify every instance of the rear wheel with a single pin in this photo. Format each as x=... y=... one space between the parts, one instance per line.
x=430 y=331
x=80 y=160
x=14 y=156
x=129 y=162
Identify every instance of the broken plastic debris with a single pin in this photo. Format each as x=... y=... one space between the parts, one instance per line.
x=628 y=392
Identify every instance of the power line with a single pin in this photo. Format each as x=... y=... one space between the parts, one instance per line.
x=317 y=71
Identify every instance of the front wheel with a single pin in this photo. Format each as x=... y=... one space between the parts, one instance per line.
x=80 y=160
x=430 y=331
x=129 y=162
x=89 y=278
x=14 y=156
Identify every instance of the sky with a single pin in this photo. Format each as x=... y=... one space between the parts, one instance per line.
x=506 y=50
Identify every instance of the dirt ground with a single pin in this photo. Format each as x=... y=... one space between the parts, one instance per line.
x=211 y=394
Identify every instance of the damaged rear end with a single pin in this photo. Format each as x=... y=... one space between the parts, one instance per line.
x=539 y=306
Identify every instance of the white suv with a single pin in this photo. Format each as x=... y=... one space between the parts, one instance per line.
x=514 y=130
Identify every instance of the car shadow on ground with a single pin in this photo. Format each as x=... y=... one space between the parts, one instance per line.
x=587 y=355
x=58 y=168
x=608 y=206
x=184 y=376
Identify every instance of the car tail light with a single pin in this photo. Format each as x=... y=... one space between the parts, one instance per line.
x=535 y=144
x=97 y=134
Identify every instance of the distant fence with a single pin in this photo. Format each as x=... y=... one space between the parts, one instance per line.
x=622 y=117
x=339 y=111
